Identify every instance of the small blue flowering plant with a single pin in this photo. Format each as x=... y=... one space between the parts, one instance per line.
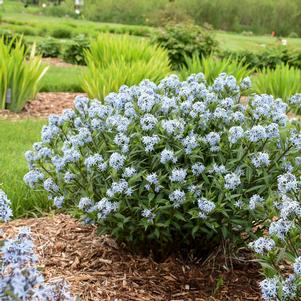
x=279 y=250
x=20 y=278
x=160 y=167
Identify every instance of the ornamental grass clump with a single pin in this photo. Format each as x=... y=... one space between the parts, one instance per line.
x=113 y=61
x=283 y=82
x=178 y=165
x=20 y=76
x=212 y=66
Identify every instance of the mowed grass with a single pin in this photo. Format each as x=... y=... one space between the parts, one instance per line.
x=62 y=79
x=15 y=138
x=239 y=42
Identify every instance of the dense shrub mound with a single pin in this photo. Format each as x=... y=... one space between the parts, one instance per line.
x=185 y=40
x=167 y=166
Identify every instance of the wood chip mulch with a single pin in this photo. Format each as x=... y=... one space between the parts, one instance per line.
x=55 y=61
x=98 y=269
x=45 y=104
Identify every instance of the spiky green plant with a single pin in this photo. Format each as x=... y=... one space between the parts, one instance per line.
x=20 y=75
x=283 y=82
x=113 y=61
x=212 y=67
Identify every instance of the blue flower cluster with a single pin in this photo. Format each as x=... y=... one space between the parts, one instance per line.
x=5 y=207
x=20 y=278
x=283 y=238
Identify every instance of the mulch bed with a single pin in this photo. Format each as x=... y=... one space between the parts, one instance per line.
x=98 y=269
x=54 y=61
x=45 y=104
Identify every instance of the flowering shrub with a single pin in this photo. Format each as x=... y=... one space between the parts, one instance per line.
x=169 y=165
x=279 y=250
x=20 y=278
x=295 y=103
x=5 y=210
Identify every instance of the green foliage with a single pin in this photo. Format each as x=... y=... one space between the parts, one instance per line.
x=49 y=48
x=62 y=10
x=283 y=82
x=16 y=137
x=62 y=33
x=247 y=33
x=26 y=31
x=121 y=11
x=62 y=79
x=235 y=15
x=172 y=12
x=185 y=40
x=267 y=59
x=113 y=61
x=20 y=76
x=74 y=52
x=211 y=67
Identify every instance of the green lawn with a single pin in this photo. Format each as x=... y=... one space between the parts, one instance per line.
x=62 y=79
x=16 y=137
x=238 y=42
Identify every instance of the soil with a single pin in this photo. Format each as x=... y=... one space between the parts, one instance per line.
x=55 y=61
x=98 y=269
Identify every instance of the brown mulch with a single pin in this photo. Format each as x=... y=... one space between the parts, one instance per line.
x=55 y=61
x=98 y=269
x=44 y=105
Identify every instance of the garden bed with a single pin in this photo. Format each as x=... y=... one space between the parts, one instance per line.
x=98 y=269
x=44 y=105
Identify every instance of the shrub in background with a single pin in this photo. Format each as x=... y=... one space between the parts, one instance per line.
x=62 y=33
x=183 y=40
x=211 y=67
x=74 y=52
x=26 y=30
x=161 y=167
x=266 y=59
x=247 y=33
x=282 y=82
x=20 y=75
x=113 y=61
x=49 y=48
x=171 y=13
